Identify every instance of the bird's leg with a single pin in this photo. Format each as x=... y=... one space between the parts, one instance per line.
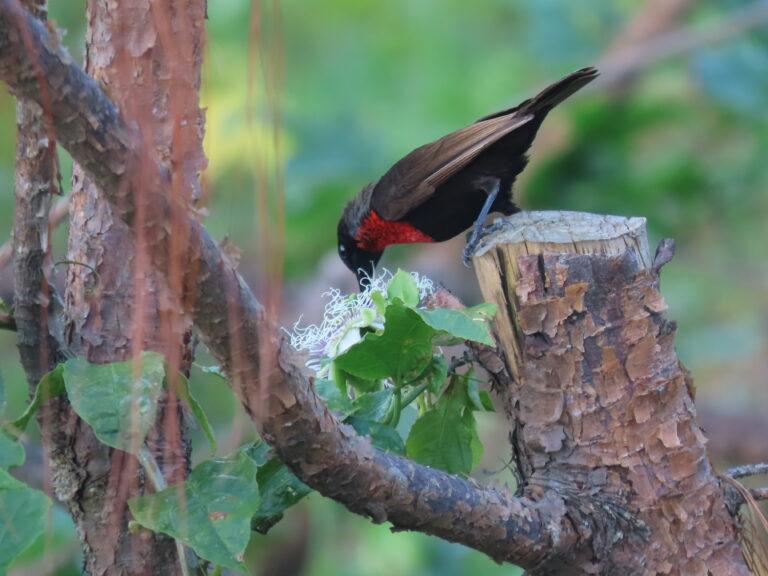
x=477 y=227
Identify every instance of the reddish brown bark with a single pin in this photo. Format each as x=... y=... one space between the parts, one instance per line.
x=115 y=303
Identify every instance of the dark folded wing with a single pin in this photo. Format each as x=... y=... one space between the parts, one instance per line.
x=414 y=178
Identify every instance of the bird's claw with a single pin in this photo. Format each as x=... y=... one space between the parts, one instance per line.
x=477 y=234
x=473 y=240
x=466 y=256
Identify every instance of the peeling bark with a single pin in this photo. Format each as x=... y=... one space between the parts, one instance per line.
x=35 y=302
x=116 y=305
x=600 y=401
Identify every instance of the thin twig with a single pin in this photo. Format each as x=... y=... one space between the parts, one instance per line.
x=759 y=494
x=747 y=470
x=626 y=62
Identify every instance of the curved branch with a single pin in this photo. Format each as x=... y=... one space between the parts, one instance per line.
x=327 y=455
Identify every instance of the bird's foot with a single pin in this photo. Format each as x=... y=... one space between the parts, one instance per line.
x=477 y=227
x=476 y=235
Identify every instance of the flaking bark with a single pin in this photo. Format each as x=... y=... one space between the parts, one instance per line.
x=600 y=403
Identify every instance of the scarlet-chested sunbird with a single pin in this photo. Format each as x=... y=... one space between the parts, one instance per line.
x=438 y=190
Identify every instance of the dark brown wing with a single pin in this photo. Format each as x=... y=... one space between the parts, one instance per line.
x=414 y=178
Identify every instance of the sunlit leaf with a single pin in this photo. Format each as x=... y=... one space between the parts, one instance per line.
x=403 y=350
x=404 y=287
x=464 y=324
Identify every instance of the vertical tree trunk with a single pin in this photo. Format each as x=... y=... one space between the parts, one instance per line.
x=601 y=407
x=147 y=56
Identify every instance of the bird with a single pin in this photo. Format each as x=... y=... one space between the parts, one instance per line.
x=441 y=189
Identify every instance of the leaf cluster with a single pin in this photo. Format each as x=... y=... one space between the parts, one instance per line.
x=398 y=366
x=394 y=370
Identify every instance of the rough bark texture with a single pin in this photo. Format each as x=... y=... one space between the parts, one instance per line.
x=116 y=305
x=34 y=298
x=600 y=404
x=232 y=324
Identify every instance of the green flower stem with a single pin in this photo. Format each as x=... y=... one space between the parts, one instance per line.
x=394 y=418
x=414 y=393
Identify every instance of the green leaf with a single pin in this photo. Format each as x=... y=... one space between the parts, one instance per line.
x=473 y=395
x=280 y=489
x=210 y=512
x=404 y=287
x=444 y=440
x=11 y=451
x=376 y=406
x=332 y=396
x=382 y=436
x=402 y=351
x=360 y=385
x=118 y=400
x=379 y=301
x=2 y=393
x=50 y=385
x=259 y=452
x=466 y=324
x=476 y=445
x=445 y=437
x=485 y=400
x=23 y=516
x=436 y=374
x=197 y=411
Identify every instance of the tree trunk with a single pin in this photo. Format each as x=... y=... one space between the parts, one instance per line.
x=148 y=57
x=601 y=408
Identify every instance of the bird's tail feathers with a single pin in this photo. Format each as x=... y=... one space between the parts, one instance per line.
x=555 y=93
x=551 y=96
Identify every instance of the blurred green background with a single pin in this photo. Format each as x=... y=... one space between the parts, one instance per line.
x=675 y=130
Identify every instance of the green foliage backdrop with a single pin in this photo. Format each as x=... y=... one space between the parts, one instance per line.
x=366 y=81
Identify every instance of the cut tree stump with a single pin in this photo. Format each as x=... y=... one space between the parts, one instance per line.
x=601 y=409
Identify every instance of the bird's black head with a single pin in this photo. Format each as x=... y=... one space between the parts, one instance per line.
x=360 y=261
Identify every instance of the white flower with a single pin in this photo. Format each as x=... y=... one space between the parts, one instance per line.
x=343 y=318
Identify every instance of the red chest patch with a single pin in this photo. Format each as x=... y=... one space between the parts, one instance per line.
x=375 y=234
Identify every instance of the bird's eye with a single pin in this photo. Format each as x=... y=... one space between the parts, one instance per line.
x=342 y=249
